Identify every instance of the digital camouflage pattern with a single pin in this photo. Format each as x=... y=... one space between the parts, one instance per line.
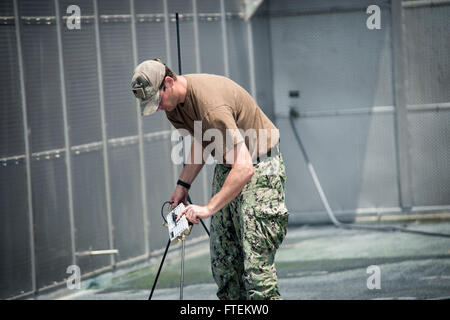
x=246 y=233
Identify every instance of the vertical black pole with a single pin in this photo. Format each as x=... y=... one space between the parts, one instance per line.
x=179 y=65
x=188 y=198
x=179 y=72
x=178 y=43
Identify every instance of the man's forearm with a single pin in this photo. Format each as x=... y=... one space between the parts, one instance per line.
x=190 y=171
x=193 y=167
x=233 y=185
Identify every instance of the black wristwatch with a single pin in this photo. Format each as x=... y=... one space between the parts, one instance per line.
x=183 y=184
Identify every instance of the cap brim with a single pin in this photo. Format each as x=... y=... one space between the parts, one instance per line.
x=150 y=106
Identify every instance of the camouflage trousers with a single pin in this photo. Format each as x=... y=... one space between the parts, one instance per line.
x=246 y=233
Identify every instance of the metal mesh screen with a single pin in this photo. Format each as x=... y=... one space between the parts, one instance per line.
x=82 y=89
x=51 y=219
x=145 y=6
x=353 y=156
x=11 y=125
x=117 y=70
x=34 y=8
x=234 y=6
x=351 y=79
x=430 y=157
x=427 y=52
x=427 y=47
x=126 y=200
x=238 y=52
x=15 y=264
x=89 y=199
x=211 y=48
x=113 y=7
x=150 y=37
x=157 y=164
x=43 y=88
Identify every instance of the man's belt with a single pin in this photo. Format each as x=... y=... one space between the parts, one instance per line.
x=274 y=151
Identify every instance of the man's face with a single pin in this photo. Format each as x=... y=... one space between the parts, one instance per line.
x=169 y=100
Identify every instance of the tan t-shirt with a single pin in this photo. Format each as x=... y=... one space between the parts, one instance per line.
x=228 y=115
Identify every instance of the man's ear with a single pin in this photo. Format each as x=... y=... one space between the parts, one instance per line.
x=168 y=82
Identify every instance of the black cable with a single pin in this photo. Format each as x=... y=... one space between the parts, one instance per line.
x=162 y=209
x=293 y=115
x=159 y=270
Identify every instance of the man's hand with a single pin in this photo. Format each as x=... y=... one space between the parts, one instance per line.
x=178 y=196
x=194 y=212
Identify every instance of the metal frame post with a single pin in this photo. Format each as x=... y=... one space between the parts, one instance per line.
x=196 y=37
x=182 y=269
x=167 y=32
x=23 y=102
x=223 y=18
x=104 y=133
x=66 y=131
x=140 y=137
x=251 y=58
x=400 y=122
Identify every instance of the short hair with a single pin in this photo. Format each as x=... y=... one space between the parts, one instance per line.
x=169 y=73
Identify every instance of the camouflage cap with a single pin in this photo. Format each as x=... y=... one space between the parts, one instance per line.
x=147 y=79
